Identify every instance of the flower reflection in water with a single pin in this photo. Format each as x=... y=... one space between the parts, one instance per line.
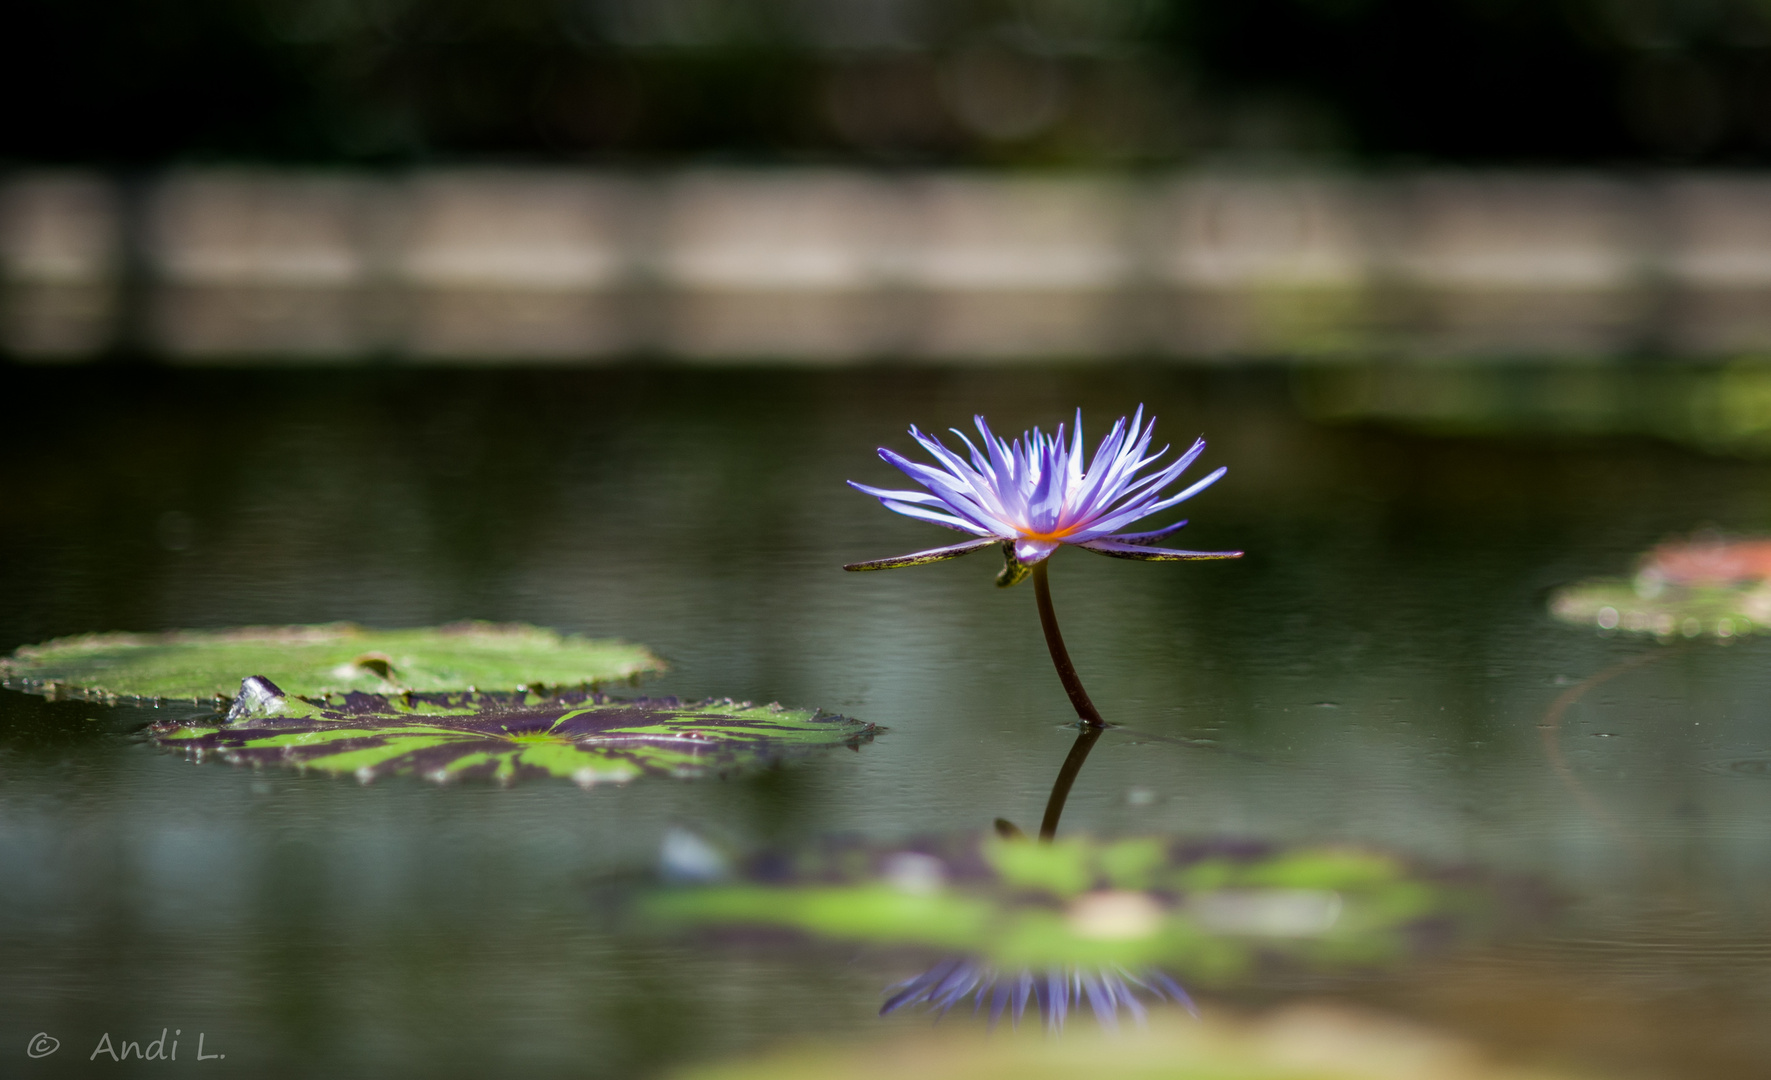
x=1084 y=924
x=1101 y=926
x=1055 y=992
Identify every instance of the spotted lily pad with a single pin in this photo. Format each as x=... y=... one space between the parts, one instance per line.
x=578 y=735
x=328 y=659
x=1210 y=912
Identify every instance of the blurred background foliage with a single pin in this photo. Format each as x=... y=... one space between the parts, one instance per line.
x=1037 y=82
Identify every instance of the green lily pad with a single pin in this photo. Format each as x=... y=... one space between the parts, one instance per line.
x=328 y=659
x=1206 y=912
x=1646 y=606
x=578 y=735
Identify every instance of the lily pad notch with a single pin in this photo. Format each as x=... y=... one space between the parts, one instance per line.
x=579 y=735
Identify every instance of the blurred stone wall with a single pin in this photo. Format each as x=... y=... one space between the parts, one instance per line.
x=835 y=267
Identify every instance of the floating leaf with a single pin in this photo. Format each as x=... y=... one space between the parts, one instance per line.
x=1647 y=606
x=1706 y=584
x=1210 y=912
x=328 y=659
x=579 y=735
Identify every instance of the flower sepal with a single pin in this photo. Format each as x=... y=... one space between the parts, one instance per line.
x=921 y=558
x=1013 y=571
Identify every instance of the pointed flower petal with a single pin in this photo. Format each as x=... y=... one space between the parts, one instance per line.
x=921 y=498
x=1145 y=537
x=935 y=517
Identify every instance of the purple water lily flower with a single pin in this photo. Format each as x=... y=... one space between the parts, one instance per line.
x=1056 y=992
x=1034 y=495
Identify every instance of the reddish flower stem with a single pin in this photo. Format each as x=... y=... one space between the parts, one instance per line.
x=1054 y=640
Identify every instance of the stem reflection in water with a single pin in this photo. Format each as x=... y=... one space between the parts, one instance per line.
x=1054 y=806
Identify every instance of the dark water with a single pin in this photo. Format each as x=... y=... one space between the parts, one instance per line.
x=1377 y=670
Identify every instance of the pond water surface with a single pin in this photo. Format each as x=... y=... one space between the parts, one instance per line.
x=1377 y=671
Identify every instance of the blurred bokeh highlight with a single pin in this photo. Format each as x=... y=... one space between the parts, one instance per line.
x=835 y=265
x=841 y=180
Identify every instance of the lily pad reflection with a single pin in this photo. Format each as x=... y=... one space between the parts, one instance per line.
x=578 y=735
x=333 y=658
x=1204 y=912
